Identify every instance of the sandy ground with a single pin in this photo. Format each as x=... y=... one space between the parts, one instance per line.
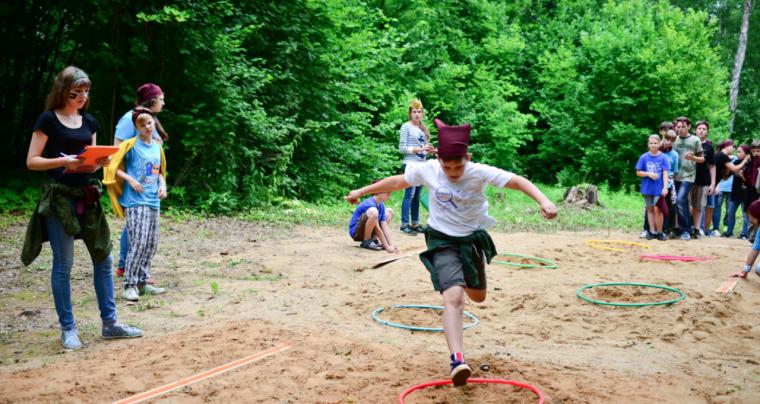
x=238 y=288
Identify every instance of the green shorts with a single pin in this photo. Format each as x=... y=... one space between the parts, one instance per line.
x=450 y=271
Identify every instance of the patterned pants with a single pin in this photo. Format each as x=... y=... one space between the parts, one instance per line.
x=142 y=225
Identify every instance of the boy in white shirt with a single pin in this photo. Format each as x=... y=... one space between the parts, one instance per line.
x=457 y=241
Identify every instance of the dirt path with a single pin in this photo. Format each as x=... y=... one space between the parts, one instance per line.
x=238 y=288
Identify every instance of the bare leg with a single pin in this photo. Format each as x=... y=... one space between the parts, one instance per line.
x=708 y=219
x=369 y=227
x=652 y=219
x=453 y=301
x=696 y=217
x=476 y=295
x=658 y=219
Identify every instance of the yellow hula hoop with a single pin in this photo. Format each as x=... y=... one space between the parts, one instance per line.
x=595 y=244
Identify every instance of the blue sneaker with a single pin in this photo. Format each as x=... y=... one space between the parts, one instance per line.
x=121 y=331
x=685 y=236
x=70 y=339
x=460 y=371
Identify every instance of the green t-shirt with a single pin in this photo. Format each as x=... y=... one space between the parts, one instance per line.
x=687 y=169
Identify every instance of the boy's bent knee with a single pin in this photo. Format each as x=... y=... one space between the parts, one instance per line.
x=476 y=295
x=372 y=212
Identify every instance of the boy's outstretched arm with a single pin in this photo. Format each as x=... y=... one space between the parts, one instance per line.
x=548 y=209
x=389 y=184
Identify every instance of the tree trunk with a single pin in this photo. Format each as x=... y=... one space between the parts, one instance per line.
x=582 y=196
x=738 y=62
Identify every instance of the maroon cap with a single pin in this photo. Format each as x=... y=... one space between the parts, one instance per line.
x=452 y=140
x=147 y=92
x=754 y=209
x=139 y=111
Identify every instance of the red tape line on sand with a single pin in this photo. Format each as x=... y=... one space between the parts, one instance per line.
x=685 y=258
x=473 y=381
x=203 y=375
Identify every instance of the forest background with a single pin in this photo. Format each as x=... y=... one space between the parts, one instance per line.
x=273 y=101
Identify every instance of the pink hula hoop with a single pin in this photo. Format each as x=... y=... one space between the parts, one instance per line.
x=684 y=258
x=535 y=390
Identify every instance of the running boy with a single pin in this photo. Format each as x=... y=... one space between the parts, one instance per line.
x=458 y=245
x=653 y=167
x=140 y=163
x=754 y=217
x=370 y=223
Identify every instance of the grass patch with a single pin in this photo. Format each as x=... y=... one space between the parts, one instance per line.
x=263 y=277
x=148 y=302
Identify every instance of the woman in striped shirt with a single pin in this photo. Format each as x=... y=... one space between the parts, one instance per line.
x=414 y=144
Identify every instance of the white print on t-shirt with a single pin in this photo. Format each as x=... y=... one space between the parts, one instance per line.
x=654 y=167
x=445 y=196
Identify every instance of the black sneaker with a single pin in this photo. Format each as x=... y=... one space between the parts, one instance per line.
x=650 y=235
x=370 y=245
x=419 y=229
x=661 y=237
x=408 y=230
x=121 y=331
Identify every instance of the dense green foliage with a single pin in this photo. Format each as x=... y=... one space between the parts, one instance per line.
x=302 y=99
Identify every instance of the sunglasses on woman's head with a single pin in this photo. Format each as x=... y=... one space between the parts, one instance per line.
x=73 y=95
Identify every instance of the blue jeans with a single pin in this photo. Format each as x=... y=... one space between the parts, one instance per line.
x=62 y=245
x=684 y=215
x=123 y=248
x=719 y=199
x=731 y=219
x=411 y=203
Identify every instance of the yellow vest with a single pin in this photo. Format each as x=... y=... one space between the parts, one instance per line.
x=113 y=183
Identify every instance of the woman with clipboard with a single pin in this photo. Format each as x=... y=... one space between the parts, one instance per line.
x=69 y=206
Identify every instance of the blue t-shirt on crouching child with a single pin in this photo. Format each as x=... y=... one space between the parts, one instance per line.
x=366 y=204
x=652 y=164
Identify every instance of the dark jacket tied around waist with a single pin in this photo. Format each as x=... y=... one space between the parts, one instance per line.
x=480 y=239
x=84 y=220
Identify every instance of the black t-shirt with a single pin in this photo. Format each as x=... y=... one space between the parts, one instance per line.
x=62 y=139
x=738 y=189
x=703 y=169
x=720 y=166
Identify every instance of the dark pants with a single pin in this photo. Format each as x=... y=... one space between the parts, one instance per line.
x=684 y=215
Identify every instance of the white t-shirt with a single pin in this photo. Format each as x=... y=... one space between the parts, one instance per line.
x=457 y=208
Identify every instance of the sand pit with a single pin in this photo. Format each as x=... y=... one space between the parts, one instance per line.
x=313 y=288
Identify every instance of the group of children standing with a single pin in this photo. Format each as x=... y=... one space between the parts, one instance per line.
x=686 y=181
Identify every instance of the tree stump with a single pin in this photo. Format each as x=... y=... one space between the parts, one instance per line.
x=583 y=196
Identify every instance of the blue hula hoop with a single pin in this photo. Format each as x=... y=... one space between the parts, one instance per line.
x=475 y=320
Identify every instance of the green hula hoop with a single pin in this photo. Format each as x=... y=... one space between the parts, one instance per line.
x=475 y=320
x=680 y=297
x=551 y=264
